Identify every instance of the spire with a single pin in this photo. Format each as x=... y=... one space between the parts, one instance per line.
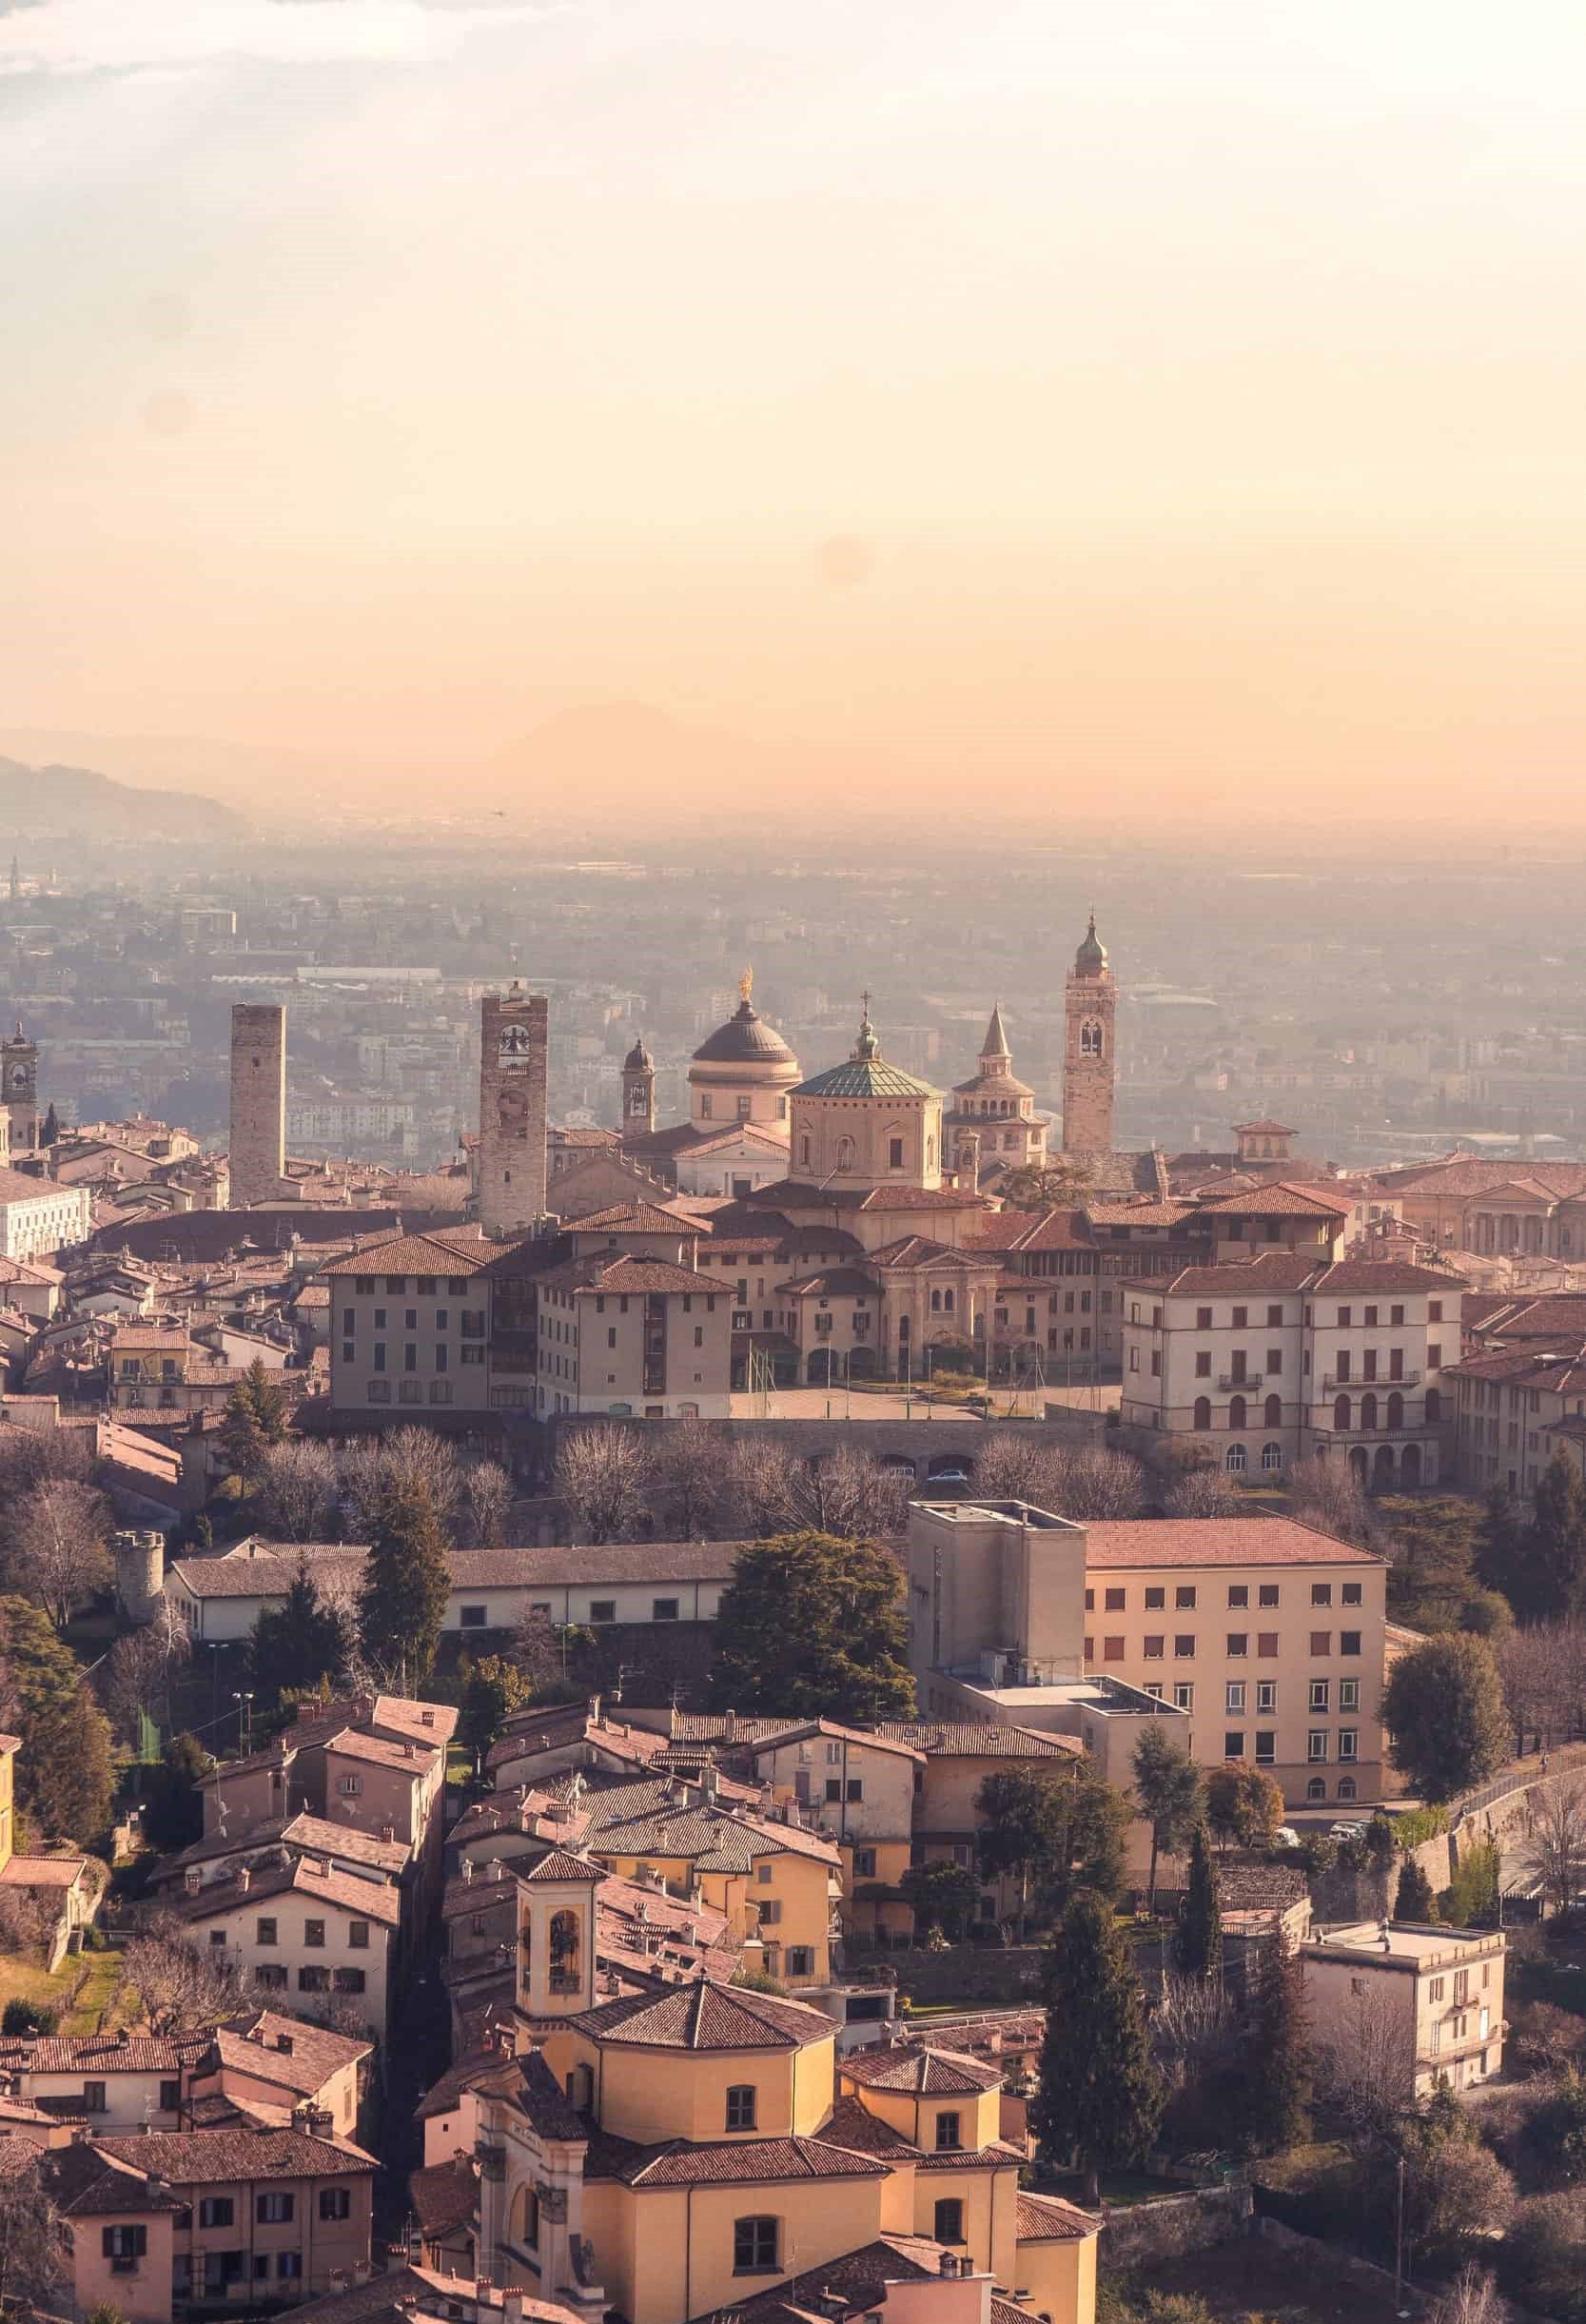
x=996 y=1043
x=867 y=1046
x=1090 y=959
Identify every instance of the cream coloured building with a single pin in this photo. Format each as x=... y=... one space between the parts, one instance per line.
x=993 y=1117
x=867 y=1122
x=1428 y=2000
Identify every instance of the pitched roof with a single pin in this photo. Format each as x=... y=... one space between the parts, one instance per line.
x=96 y=2054
x=253 y=2045
x=1112 y=1543
x=190 y=2158
x=741 y=2162
x=870 y=1738
x=416 y=1254
x=640 y=1218
x=444 y=2195
x=919 y=2072
x=1045 y=2219
x=366 y=1900
x=967 y=1738
x=704 y=2016
x=624 y=1271
x=559 y=1866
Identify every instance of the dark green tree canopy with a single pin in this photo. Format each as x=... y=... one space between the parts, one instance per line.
x=256 y=1415
x=406 y=1581
x=1054 y=1834
x=65 y=1779
x=1443 y=1707
x=299 y=1644
x=1099 y=2097
x=816 y=1627
x=1169 y=1792
x=1198 y=1941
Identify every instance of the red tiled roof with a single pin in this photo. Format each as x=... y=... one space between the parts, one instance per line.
x=625 y=1273
x=1280 y=1201
x=640 y=1218
x=1116 y=1542
x=966 y=1739
x=706 y=2016
x=1045 y=2219
x=190 y=2158
x=416 y=1254
x=920 y=2071
x=364 y=1900
x=748 y=2162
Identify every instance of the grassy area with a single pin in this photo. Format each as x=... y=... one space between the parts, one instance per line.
x=1124 y=2188
x=1254 y=2279
x=27 y=1981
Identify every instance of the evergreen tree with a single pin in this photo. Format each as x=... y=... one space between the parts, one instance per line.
x=1554 y=1550
x=51 y=1128
x=1099 y=2097
x=65 y=1779
x=816 y=1626
x=1274 y=2065
x=1197 y=1943
x=1055 y=1834
x=406 y=1580
x=1497 y=1556
x=1414 y=1899
x=1170 y=1793
x=299 y=1644
x=493 y=1688
x=255 y=1419
x=1443 y=1706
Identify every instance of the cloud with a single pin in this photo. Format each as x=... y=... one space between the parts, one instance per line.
x=129 y=35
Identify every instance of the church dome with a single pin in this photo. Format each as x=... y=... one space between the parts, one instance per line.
x=745 y=1039
x=1090 y=959
x=638 y=1059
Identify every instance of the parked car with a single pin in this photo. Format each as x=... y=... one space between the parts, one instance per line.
x=1347 y=1828
x=1286 y=1837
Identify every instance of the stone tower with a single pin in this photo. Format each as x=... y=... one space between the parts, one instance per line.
x=1087 y=1064
x=514 y=1033
x=258 y=1102
x=19 y=1092
x=638 y=1094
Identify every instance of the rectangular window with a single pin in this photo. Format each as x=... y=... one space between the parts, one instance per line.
x=1155 y=1646
x=864 y=1863
x=663 y=1609
x=358 y=1935
x=1321 y=1694
x=895 y=1153
x=1348 y=1742
x=1266 y=1747
x=602 y=1609
x=1321 y=1593
x=335 y=2203
x=1321 y=1642
x=125 y=2244
x=1241 y=1316
x=473 y=1617
x=855 y=1790
x=741 y=2106
x=94 y=2098
x=1351 y=1594
x=1202 y=1319
x=1239 y=1645
x=1239 y=1593
x=1183 y=1645
x=1315 y=1743
x=216 y=2211
x=947 y=2139
x=272 y=2210
x=1266 y=1646
x=1233 y=1695
x=1112 y=1650
x=833 y=1789
x=1114 y=1601
x=1349 y=1694
x=313 y=1980
x=1184 y=1695
x=1267 y=1697
x=1349 y=1642
x=1155 y=1601
x=350 y=1980
x=1266 y=1594
x=1233 y=1745
x=754 y=2247
x=1184 y=1597
x=1203 y=1363
x=265 y=1931
x=288 y=2265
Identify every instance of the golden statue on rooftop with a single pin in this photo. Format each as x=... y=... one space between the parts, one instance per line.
x=746 y=984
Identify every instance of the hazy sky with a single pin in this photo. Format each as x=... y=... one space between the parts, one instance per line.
x=1051 y=396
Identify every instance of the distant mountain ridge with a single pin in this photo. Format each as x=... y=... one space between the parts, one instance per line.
x=60 y=800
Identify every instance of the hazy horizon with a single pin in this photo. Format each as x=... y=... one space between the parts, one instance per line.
x=1042 y=413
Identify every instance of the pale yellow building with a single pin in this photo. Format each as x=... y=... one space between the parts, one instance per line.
x=1427 y=2001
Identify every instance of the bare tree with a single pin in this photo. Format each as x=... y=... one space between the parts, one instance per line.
x=1202 y=1492
x=601 y=1474
x=183 y=1985
x=1011 y=1467
x=1328 y=1495
x=536 y=1649
x=297 y=1490
x=759 y=1487
x=375 y=1465
x=689 y=1473
x=848 y=1493
x=137 y=1674
x=34 y=1456
x=23 y=1922
x=1193 y=2025
x=1097 y=1483
x=33 y=2250
x=1472 y=2298
x=1555 y=1847
x=1365 y=2059
x=55 y=1545
x=487 y=1495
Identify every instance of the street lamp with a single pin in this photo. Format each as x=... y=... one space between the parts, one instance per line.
x=244 y=1721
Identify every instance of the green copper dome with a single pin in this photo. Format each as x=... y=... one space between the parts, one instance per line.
x=865 y=1074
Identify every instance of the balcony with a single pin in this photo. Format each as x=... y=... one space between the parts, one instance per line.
x=1231 y=1379
x=1355 y=1388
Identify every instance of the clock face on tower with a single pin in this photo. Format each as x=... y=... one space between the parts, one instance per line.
x=513 y=1043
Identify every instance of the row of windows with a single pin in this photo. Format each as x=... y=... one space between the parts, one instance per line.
x=1238 y=1317
x=221 y=2211
x=1234 y=1698
x=1154 y=1646
x=423 y=1286
x=267 y=1929
x=1317 y=1745
x=410 y=1391
x=1115 y=1598
x=274 y=1976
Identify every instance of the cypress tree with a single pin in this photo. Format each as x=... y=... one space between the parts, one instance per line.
x=1198 y=1943
x=300 y=1642
x=1099 y=2097
x=1414 y=1900
x=403 y=1602
x=1274 y=2071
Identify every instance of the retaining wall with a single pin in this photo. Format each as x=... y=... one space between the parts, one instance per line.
x=1142 y=2233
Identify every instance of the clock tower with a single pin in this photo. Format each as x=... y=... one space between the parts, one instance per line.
x=19 y=1091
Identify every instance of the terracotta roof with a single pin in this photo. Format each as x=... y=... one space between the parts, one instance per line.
x=745 y=2162
x=625 y=1271
x=805 y=1194
x=869 y=1737
x=106 y=2054
x=919 y=2072
x=1552 y=1315
x=1458 y=1175
x=1109 y=1214
x=1280 y=1201
x=364 y=1900
x=444 y=2196
x=253 y=2046
x=415 y=1255
x=852 y=2125
x=1044 y=2218
x=859 y=2279
x=966 y=1739
x=1245 y=1888
x=559 y=1866
x=704 y=2016
x=837 y=1282
x=263 y=1576
x=1273 y=1271
x=640 y=1218
x=1385 y=1275
x=190 y=2158
x=1116 y=1542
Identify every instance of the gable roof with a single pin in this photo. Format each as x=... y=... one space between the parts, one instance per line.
x=920 y=2073
x=1113 y=1544
x=704 y=2016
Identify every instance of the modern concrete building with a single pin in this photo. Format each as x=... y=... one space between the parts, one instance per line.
x=1427 y=2003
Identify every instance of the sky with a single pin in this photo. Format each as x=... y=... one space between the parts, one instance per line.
x=1123 y=407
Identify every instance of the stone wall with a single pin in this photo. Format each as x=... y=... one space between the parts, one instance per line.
x=1145 y=2234
x=943 y=1439
x=964 y=1973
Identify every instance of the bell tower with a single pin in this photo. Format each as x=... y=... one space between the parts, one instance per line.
x=19 y=1092
x=556 y=1937
x=514 y=1036
x=1090 y=1000
x=638 y=1094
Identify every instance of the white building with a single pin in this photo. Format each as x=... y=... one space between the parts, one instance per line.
x=38 y=1217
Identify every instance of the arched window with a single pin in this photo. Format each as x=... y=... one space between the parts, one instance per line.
x=741 y=2106
x=1316 y=1788
x=1237 y=1412
x=526 y=2225
x=1203 y=1412
x=1346 y=1787
x=757 y=2247
x=566 y=1953
x=936 y=1302
x=1091 y=1038
x=946 y=1300
x=1236 y=1460
x=845 y=1153
x=1434 y=1405
x=1272 y=1411
x=949 y=2225
x=1340 y=1414
x=1396 y=1410
x=904 y=1330
x=1368 y=1410
x=1271 y=1457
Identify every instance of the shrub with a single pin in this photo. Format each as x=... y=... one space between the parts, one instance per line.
x=1420 y=1824
x=22 y=2016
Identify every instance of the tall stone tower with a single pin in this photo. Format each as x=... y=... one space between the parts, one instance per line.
x=258 y=1102
x=638 y=1094
x=19 y=1092
x=513 y=1039
x=1087 y=1066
